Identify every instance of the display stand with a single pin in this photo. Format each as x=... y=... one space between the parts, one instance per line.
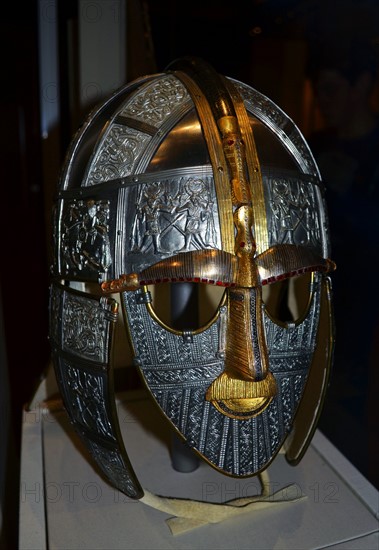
x=184 y=308
x=66 y=504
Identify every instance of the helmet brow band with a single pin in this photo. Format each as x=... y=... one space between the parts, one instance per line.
x=217 y=267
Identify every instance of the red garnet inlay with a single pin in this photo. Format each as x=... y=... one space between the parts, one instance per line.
x=299 y=271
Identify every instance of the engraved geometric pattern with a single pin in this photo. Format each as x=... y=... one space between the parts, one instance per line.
x=122 y=146
x=55 y=314
x=86 y=396
x=81 y=365
x=85 y=328
x=178 y=374
x=113 y=465
x=156 y=101
x=117 y=154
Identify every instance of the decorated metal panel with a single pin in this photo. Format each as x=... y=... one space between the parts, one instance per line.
x=179 y=372
x=81 y=337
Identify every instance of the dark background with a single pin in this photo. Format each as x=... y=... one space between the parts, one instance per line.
x=262 y=43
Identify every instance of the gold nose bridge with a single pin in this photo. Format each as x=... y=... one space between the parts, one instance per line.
x=246 y=387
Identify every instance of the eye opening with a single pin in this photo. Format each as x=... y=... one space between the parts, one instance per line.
x=288 y=301
x=179 y=307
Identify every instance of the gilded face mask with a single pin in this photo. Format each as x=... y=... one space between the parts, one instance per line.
x=189 y=177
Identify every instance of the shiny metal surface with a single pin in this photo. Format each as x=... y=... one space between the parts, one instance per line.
x=167 y=183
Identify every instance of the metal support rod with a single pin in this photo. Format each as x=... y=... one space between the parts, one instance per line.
x=184 y=316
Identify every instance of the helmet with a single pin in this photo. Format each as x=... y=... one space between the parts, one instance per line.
x=195 y=180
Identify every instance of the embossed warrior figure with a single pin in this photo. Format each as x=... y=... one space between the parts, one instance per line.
x=85 y=237
x=198 y=209
x=149 y=212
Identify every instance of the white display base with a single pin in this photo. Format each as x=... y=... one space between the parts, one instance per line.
x=65 y=504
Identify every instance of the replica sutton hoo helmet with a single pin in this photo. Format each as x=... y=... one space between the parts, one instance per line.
x=189 y=176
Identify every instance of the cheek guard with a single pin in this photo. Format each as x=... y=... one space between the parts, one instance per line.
x=191 y=177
